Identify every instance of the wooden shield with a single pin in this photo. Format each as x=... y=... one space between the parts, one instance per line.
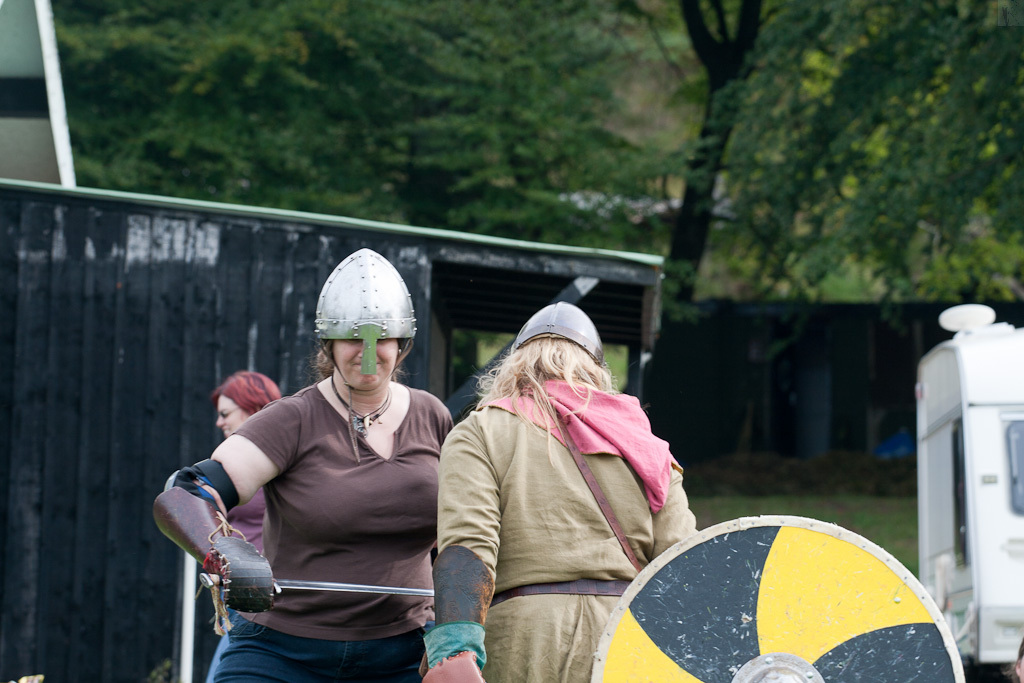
x=776 y=598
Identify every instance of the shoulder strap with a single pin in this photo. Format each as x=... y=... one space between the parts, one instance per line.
x=602 y=501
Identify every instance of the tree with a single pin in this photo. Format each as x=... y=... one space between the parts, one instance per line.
x=487 y=117
x=724 y=55
x=175 y=99
x=852 y=150
x=879 y=143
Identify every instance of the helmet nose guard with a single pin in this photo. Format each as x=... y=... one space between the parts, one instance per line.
x=563 y=320
x=365 y=298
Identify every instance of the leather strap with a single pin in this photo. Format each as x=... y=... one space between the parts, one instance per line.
x=578 y=587
x=602 y=501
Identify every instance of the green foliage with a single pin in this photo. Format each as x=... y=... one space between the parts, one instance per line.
x=881 y=144
x=172 y=99
x=874 y=150
x=985 y=266
x=479 y=116
x=161 y=673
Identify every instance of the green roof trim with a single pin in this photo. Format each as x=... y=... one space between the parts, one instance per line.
x=327 y=219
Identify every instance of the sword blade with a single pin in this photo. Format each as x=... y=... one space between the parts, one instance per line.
x=290 y=584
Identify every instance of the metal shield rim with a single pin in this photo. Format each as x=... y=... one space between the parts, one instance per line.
x=743 y=523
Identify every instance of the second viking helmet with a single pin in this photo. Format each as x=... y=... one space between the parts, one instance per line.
x=365 y=298
x=563 y=320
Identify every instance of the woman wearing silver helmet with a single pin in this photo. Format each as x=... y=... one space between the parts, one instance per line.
x=525 y=541
x=349 y=469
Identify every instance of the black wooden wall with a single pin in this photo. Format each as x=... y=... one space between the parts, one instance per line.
x=118 y=316
x=116 y=327
x=790 y=379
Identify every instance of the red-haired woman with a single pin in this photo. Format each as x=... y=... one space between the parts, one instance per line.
x=236 y=399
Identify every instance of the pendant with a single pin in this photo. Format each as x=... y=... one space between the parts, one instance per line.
x=359 y=424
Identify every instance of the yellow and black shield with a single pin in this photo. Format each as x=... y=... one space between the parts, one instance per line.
x=776 y=599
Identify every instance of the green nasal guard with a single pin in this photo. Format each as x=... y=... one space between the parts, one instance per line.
x=369 y=333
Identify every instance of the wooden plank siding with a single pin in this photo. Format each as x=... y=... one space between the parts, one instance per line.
x=119 y=314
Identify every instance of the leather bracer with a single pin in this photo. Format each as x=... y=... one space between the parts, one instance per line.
x=463 y=586
x=188 y=520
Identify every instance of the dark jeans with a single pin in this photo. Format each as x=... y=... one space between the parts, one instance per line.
x=258 y=653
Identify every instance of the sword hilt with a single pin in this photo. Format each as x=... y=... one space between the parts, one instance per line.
x=213 y=580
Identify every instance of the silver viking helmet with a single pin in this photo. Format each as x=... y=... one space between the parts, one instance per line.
x=563 y=320
x=365 y=298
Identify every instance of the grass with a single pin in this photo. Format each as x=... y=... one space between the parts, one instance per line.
x=889 y=522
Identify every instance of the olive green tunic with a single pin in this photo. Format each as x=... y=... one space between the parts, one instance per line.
x=514 y=496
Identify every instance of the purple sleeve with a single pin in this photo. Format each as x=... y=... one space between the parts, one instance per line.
x=248 y=519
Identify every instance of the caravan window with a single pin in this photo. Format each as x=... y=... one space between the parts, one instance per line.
x=1015 y=447
x=959 y=496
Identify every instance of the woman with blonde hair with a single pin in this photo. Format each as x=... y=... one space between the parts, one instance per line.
x=553 y=495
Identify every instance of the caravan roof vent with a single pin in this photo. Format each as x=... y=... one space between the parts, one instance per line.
x=966 y=317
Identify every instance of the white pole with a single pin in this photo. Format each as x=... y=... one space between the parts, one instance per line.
x=55 y=94
x=188 y=617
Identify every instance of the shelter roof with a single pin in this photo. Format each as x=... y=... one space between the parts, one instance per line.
x=480 y=282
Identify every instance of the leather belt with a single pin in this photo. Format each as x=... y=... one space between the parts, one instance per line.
x=577 y=587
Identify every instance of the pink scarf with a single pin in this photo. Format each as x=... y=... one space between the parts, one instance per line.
x=609 y=423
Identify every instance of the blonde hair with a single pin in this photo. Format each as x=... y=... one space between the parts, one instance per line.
x=524 y=371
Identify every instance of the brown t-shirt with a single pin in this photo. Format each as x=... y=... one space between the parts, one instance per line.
x=331 y=518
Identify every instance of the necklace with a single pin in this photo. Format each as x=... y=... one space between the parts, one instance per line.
x=362 y=422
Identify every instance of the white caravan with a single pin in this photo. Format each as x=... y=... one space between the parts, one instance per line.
x=970 y=482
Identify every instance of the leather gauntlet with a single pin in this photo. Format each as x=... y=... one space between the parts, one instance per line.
x=246 y=581
x=245 y=575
